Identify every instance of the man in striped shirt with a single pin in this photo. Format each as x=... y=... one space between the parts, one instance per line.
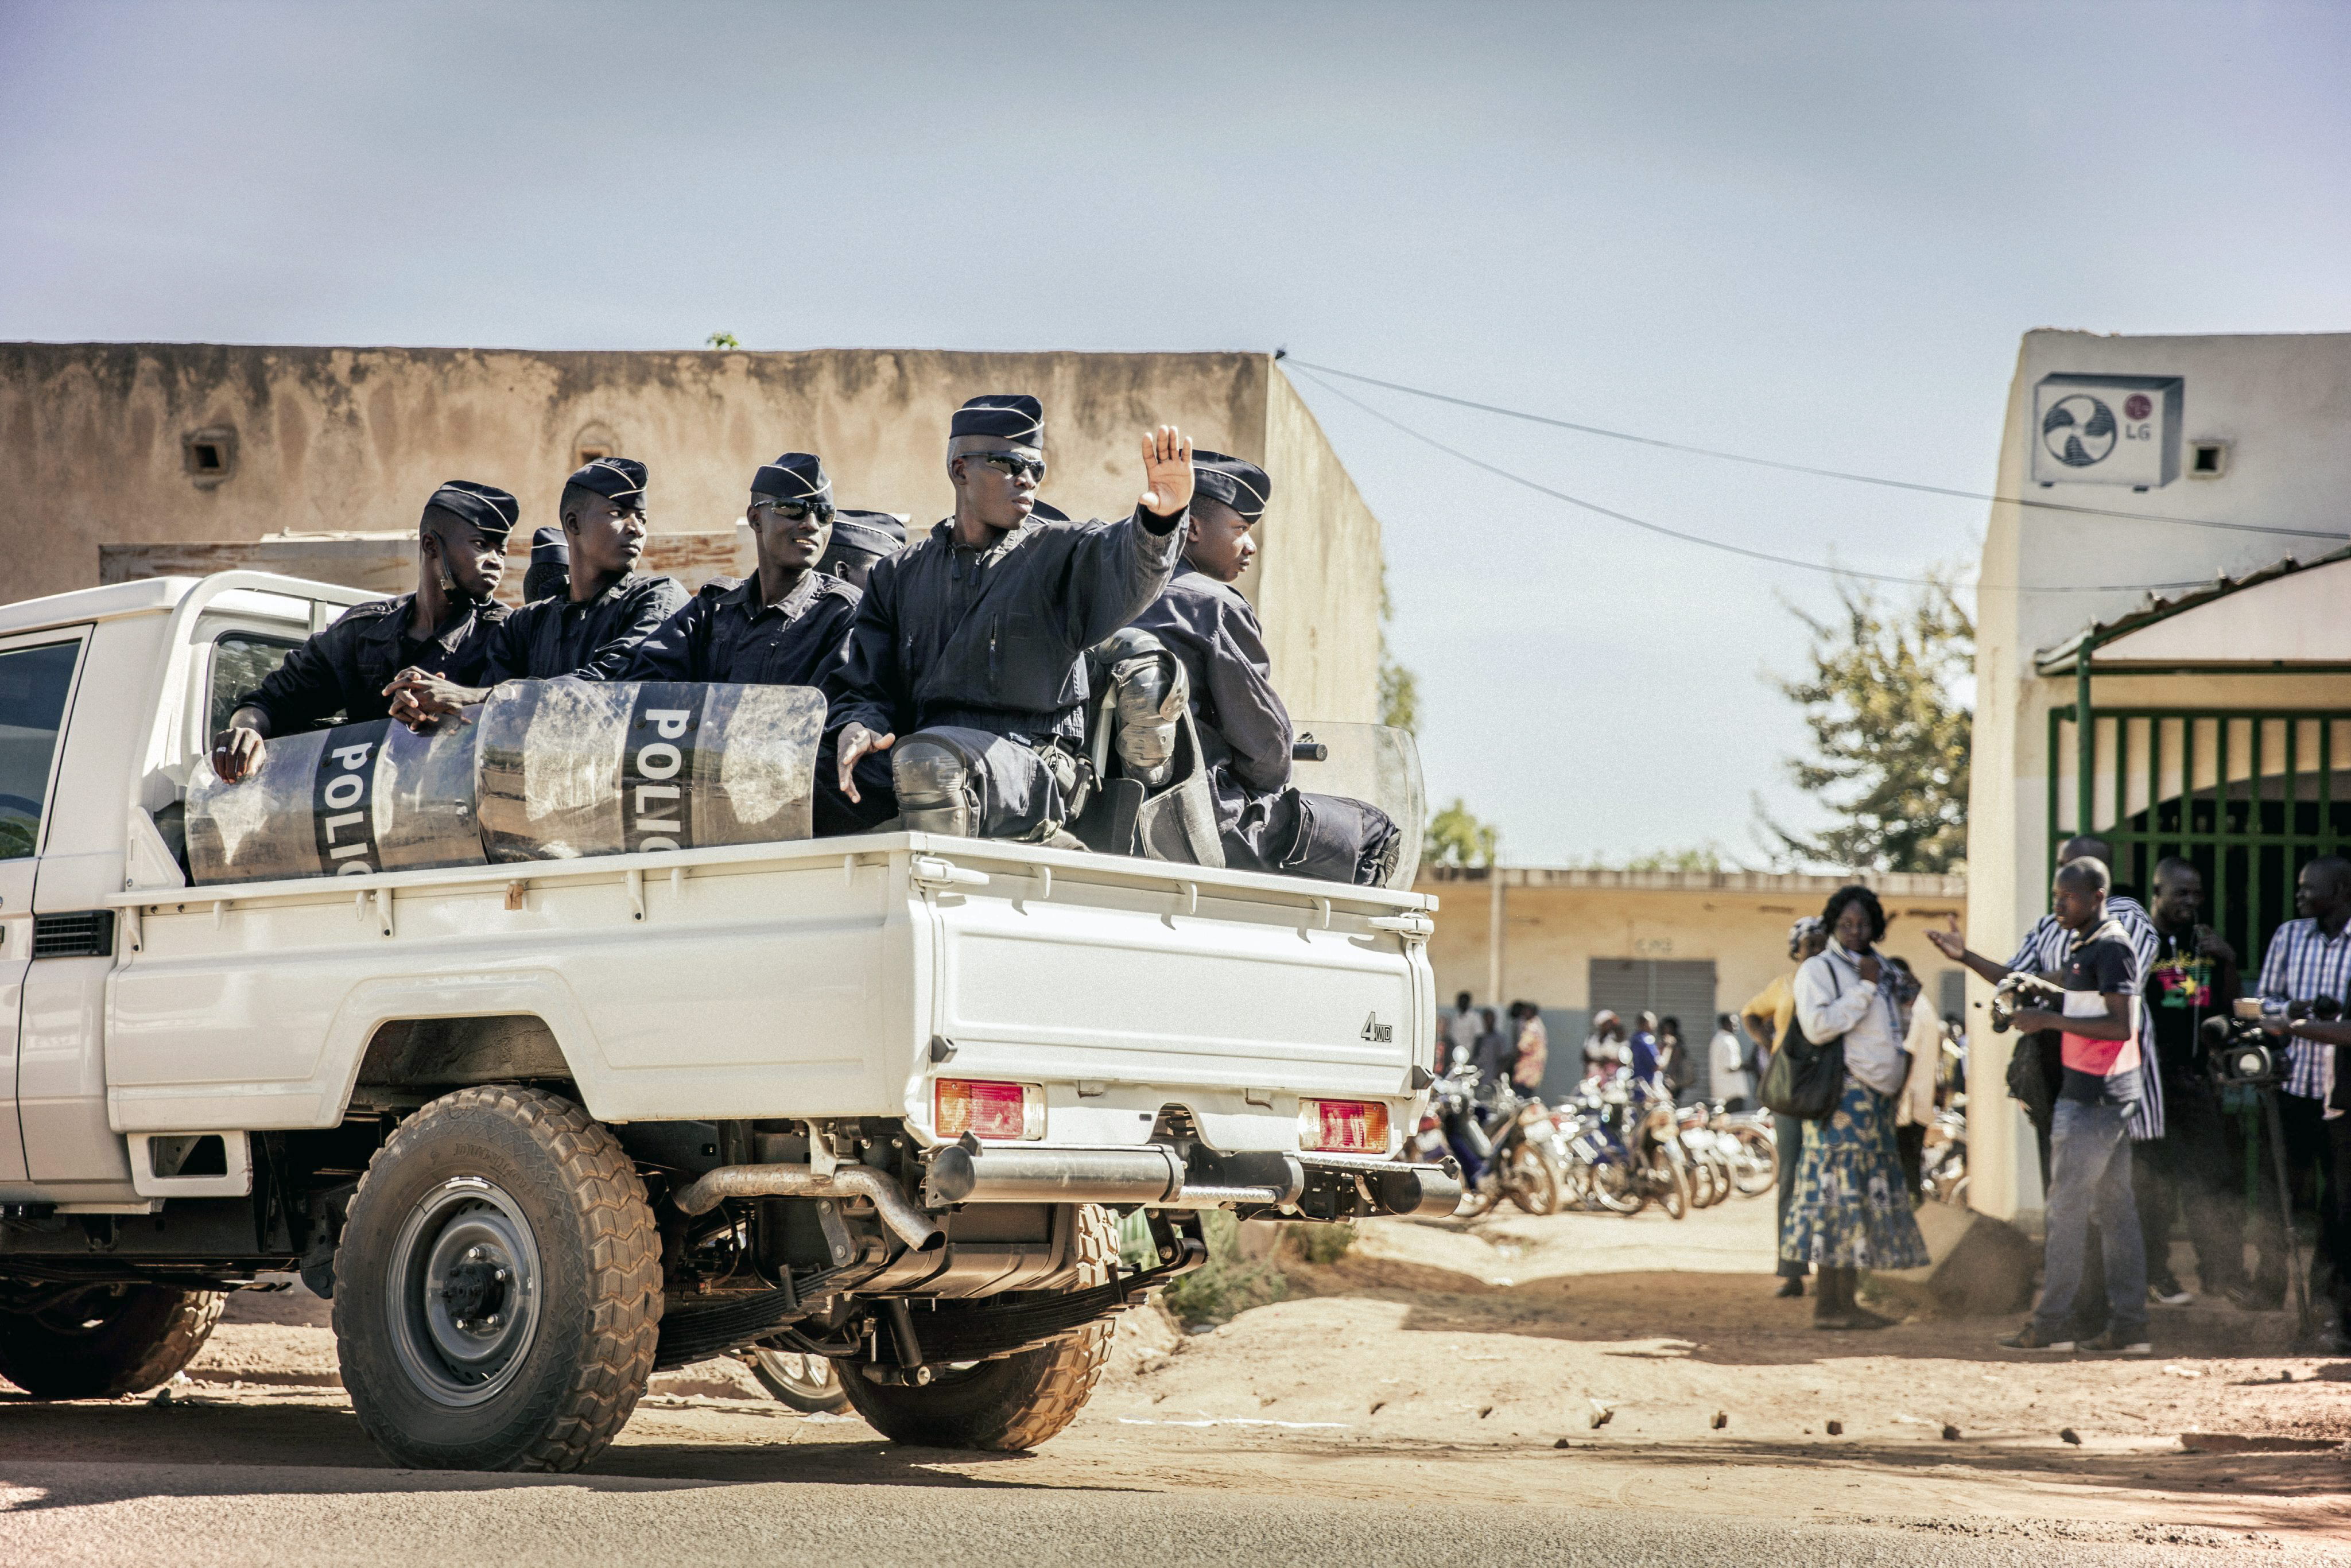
x=2045 y=951
x=2307 y=960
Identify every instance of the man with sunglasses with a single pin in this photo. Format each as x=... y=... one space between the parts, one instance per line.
x=1266 y=822
x=784 y=624
x=966 y=664
x=591 y=632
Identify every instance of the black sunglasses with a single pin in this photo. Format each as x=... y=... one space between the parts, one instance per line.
x=1013 y=465
x=793 y=511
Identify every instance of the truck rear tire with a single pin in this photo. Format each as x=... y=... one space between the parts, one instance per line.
x=498 y=1289
x=1016 y=1401
x=106 y=1341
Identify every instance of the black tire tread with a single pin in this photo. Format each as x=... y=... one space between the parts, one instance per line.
x=599 y=1183
x=153 y=1356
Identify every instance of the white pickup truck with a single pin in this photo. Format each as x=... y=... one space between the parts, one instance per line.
x=541 y=1128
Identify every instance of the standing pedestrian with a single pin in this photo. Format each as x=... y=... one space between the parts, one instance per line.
x=1534 y=1051
x=1734 y=1085
x=1604 y=1048
x=1461 y=1030
x=2193 y=977
x=1675 y=1066
x=1492 y=1053
x=1849 y=1212
x=2089 y=1142
x=1766 y=1022
x=1914 y=1107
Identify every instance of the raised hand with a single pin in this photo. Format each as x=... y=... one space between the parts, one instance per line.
x=1166 y=472
x=1949 y=943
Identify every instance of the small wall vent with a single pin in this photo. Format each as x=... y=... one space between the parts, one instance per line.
x=2207 y=459
x=208 y=456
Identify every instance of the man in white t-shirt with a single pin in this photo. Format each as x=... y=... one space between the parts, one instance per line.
x=1462 y=1028
x=1733 y=1085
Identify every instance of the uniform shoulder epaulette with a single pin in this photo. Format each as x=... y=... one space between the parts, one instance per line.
x=718 y=588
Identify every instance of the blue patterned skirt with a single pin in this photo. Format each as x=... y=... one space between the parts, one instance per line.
x=1851 y=1208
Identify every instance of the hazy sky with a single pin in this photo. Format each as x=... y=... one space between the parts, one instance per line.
x=1810 y=232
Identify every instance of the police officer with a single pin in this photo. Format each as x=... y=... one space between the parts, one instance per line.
x=592 y=631
x=782 y=626
x=1266 y=822
x=443 y=627
x=859 y=540
x=966 y=661
x=548 y=575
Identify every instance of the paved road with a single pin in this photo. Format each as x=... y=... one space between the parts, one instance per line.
x=122 y=1516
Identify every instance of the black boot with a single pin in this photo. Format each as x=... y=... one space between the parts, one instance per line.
x=1792 y=1287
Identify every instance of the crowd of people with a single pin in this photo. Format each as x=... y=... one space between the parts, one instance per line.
x=1513 y=1048
x=2137 y=1137
x=959 y=670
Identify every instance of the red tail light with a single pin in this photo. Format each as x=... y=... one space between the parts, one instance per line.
x=1343 y=1126
x=984 y=1110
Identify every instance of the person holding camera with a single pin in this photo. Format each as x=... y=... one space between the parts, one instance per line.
x=2189 y=1168
x=1851 y=1207
x=2089 y=1144
x=2309 y=960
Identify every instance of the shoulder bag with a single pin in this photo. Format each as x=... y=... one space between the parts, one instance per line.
x=1806 y=1076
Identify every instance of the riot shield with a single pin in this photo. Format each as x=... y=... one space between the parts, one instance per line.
x=567 y=768
x=359 y=797
x=1373 y=763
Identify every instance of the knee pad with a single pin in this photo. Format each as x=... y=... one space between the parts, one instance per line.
x=938 y=788
x=1149 y=691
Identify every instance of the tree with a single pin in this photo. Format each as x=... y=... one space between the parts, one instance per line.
x=721 y=341
x=1885 y=702
x=1704 y=857
x=1399 y=696
x=1455 y=838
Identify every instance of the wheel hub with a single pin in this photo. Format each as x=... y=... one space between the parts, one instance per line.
x=465 y=1291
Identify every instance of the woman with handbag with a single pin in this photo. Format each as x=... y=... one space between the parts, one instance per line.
x=1840 y=1067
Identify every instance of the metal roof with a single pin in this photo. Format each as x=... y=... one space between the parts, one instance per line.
x=2059 y=660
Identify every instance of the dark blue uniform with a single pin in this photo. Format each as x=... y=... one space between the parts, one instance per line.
x=595 y=641
x=345 y=668
x=1245 y=740
x=725 y=633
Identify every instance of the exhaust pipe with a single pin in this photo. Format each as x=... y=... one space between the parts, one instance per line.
x=962 y=1173
x=911 y=1224
x=1432 y=1191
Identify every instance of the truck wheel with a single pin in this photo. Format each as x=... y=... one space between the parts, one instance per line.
x=498 y=1289
x=809 y=1383
x=1017 y=1401
x=104 y=1341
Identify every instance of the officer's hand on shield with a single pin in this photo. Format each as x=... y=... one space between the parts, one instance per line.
x=419 y=700
x=1166 y=472
x=236 y=752
x=856 y=741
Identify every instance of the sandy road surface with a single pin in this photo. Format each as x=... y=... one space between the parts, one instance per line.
x=1397 y=1396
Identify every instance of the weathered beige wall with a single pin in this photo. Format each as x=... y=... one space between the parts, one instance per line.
x=355 y=439
x=1555 y=922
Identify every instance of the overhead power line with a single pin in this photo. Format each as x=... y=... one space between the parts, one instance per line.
x=1806 y=468
x=1826 y=568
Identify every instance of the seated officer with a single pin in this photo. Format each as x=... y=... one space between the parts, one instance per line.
x=592 y=631
x=785 y=623
x=1266 y=823
x=967 y=655
x=349 y=668
x=549 y=576
x=859 y=539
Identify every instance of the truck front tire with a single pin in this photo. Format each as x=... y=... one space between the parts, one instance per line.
x=102 y=1342
x=1013 y=1402
x=499 y=1291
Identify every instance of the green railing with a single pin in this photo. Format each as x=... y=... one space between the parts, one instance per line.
x=2250 y=795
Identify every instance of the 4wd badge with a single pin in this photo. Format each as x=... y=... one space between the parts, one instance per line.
x=1375 y=1031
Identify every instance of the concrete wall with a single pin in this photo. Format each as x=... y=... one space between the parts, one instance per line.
x=1555 y=922
x=353 y=440
x=2284 y=405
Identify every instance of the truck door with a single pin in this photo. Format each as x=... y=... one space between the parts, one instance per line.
x=37 y=677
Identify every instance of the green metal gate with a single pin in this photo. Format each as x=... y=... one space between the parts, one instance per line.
x=2250 y=795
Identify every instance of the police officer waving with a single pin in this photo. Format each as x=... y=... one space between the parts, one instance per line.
x=966 y=661
x=441 y=631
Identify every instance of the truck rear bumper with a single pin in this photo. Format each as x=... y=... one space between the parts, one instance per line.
x=1157 y=1176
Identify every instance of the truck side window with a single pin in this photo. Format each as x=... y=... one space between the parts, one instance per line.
x=33 y=686
x=241 y=661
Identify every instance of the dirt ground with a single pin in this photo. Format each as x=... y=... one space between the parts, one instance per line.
x=1569 y=1360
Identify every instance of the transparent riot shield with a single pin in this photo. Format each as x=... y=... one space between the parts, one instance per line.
x=567 y=768
x=1373 y=763
x=360 y=798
